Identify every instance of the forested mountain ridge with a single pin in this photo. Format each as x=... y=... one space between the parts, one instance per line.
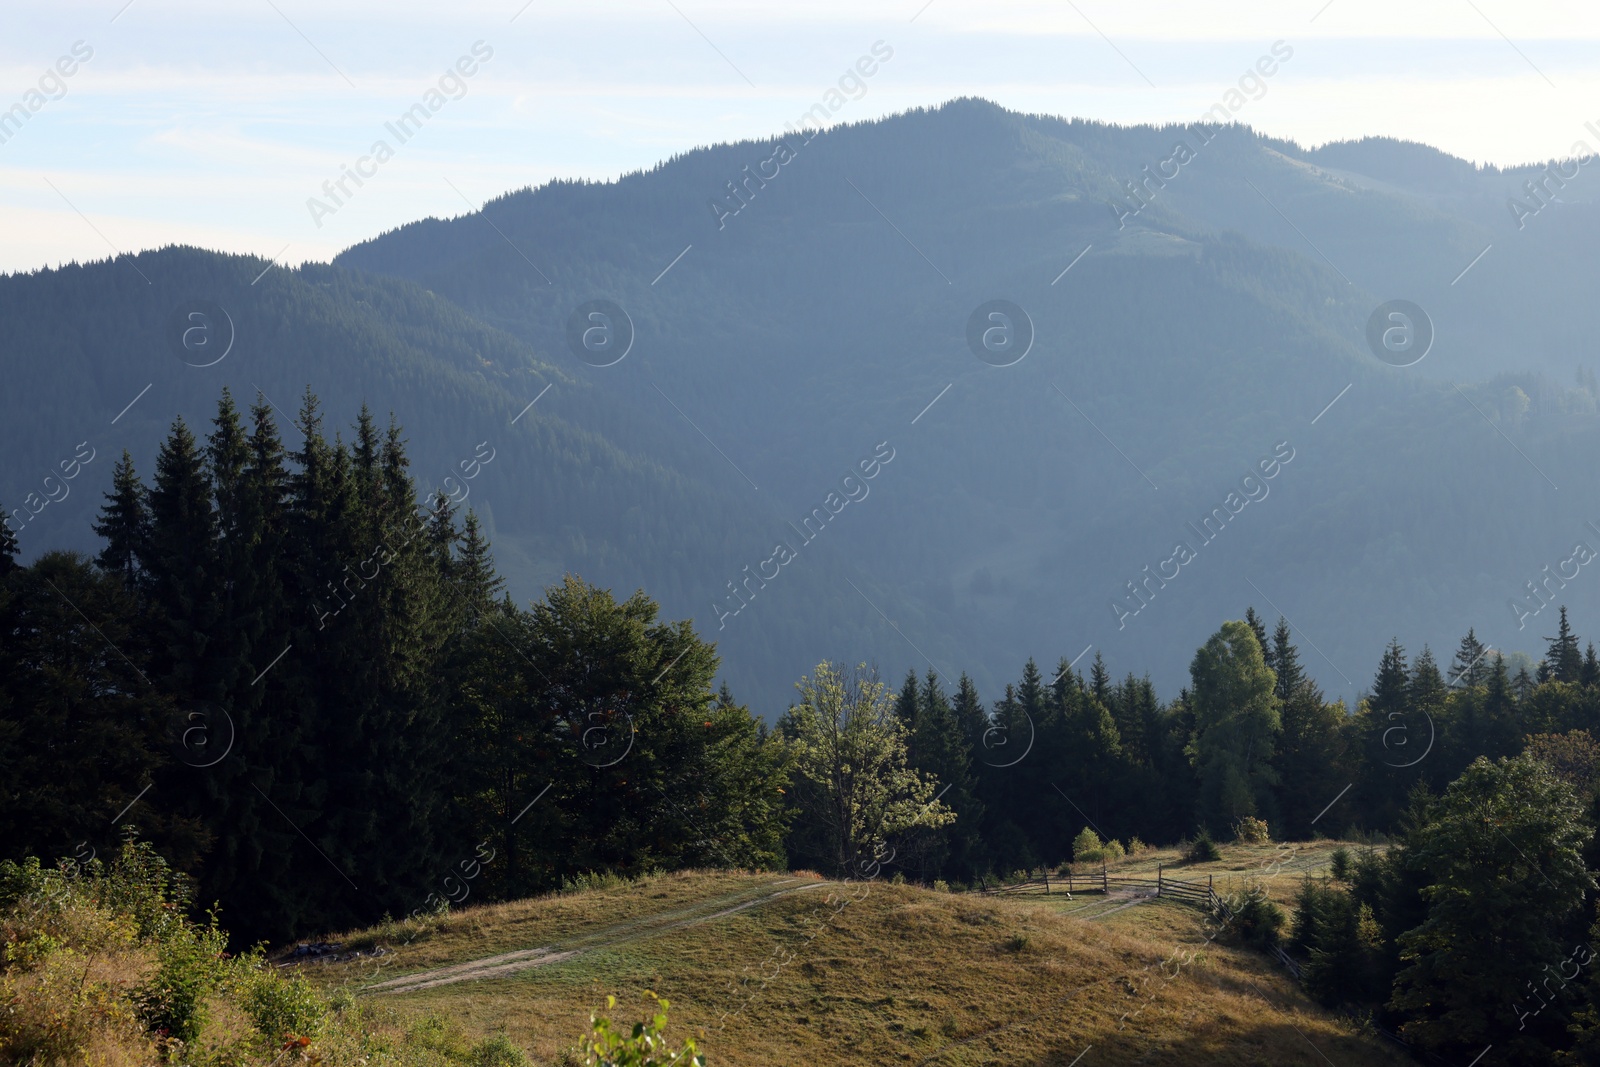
x=1192 y=337
x=790 y=338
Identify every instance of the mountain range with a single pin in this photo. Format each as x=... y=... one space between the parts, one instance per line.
x=686 y=375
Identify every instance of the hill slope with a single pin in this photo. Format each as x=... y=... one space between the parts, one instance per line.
x=786 y=969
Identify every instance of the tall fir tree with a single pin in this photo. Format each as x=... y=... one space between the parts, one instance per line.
x=1468 y=668
x=472 y=575
x=1563 y=662
x=1284 y=660
x=1258 y=627
x=124 y=524
x=179 y=565
x=1391 y=739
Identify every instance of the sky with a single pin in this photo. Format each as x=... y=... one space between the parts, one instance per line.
x=218 y=123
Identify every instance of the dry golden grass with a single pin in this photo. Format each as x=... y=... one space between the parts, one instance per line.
x=877 y=973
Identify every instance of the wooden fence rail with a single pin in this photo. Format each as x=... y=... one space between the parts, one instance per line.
x=1200 y=893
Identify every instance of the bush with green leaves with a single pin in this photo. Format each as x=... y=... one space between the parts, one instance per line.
x=645 y=1045
x=281 y=1007
x=172 y=1002
x=1252 y=831
x=1088 y=848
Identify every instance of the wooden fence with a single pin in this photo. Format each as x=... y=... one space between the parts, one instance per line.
x=1200 y=894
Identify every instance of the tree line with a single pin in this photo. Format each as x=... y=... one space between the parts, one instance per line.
x=299 y=675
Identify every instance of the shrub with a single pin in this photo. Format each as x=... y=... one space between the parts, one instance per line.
x=101 y=963
x=941 y=886
x=497 y=1051
x=1251 y=831
x=1256 y=920
x=1113 y=850
x=1087 y=847
x=1203 y=850
x=644 y=1046
x=172 y=1003
x=1339 y=864
x=1136 y=846
x=281 y=1007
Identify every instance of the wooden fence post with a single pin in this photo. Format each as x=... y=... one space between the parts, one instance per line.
x=1105 y=885
x=1158 y=879
x=1046 y=880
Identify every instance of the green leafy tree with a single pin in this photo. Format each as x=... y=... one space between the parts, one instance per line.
x=852 y=780
x=1236 y=725
x=1503 y=855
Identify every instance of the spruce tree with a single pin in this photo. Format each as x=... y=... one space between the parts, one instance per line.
x=1468 y=668
x=946 y=734
x=1312 y=750
x=1259 y=628
x=1284 y=659
x=971 y=714
x=1393 y=739
x=1563 y=662
x=83 y=730
x=1100 y=679
x=178 y=561
x=472 y=574
x=124 y=524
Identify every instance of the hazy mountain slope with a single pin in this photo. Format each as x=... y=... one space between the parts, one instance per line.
x=830 y=310
x=83 y=342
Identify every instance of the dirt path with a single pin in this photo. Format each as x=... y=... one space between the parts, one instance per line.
x=506 y=963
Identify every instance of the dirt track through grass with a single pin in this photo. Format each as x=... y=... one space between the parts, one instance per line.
x=506 y=963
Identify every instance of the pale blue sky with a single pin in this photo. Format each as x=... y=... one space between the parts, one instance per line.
x=212 y=123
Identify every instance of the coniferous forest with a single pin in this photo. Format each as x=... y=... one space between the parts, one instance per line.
x=295 y=672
